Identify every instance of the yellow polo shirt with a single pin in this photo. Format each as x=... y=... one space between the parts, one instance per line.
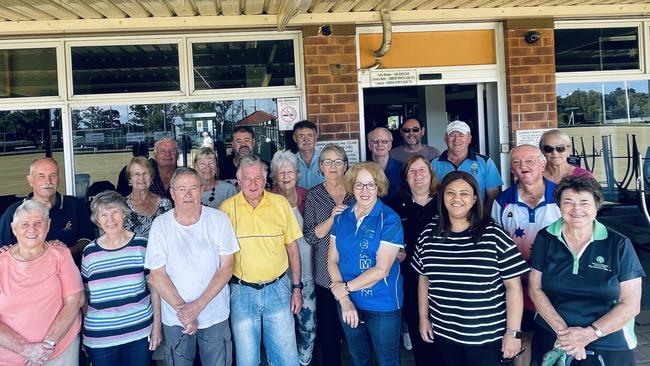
x=262 y=232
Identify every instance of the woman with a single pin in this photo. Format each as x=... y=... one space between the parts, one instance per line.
x=214 y=191
x=122 y=321
x=284 y=171
x=362 y=263
x=417 y=206
x=40 y=295
x=585 y=280
x=322 y=204
x=556 y=146
x=469 y=293
x=144 y=206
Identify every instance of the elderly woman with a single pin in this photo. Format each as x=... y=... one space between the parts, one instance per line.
x=362 y=263
x=556 y=145
x=284 y=171
x=417 y=206
x=469 y=293
x=323 y=203
x=215 y=191
x=585 y=280
x=144 y=206
x=122 y=321
x=40 y=295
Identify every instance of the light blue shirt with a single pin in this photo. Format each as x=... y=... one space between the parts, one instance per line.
x=309 y=176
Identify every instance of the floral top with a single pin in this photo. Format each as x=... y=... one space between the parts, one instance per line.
x=140 y=224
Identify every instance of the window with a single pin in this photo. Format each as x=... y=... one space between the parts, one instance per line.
x=29 y=72
x=597 y=49
x=244 y=64
x=125 y=69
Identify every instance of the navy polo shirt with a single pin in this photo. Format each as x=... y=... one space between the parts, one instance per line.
x=481 y=167
x=70 y=221
x=358 y=243
x=393 y=172
x=584 y=287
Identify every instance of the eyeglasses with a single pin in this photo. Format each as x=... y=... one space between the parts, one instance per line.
x=369 y=186
x=377 y=141
x=549 y=149
x=337 y=162
x=414 y=129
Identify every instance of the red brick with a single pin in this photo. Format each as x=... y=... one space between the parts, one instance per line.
x=531 y=60
x=543 y=51
x=534 y=117
x=344 y=117
x=329 y=128
x=532 y=98
x=353 y=108
x=319 y=98
x=349 y=40
x=316 y=40
x=311 y=50
x=330 y=50
x=332 y=88
x=521 y=89
x=346 y=98
x=513 y=42
x=518 y=51
x=351 y=88
x=350 y=49
x=333 y=108
x=312 y=70
x=319 y=79
x=533 y=79
x=324 y=70
x=520 y=70
x=324 y=118
x=349 y=59
x=531 y=107
x=345 y=79
x=551 y=97
x=313 y=108
x=544 y=88
x=313 y=60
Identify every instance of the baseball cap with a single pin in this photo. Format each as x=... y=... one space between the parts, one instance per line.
x=457 y=125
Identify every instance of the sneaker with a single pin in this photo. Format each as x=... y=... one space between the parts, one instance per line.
x=407 y=341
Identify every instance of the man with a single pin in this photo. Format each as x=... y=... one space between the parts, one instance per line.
x=70 y=218
x=305 y=136
x=165 y=155
x=264 y=296
x=190 y=255
x=412 y=132
x=380 y=141
x=523 y=210
x=243 y=143
x=458 y=157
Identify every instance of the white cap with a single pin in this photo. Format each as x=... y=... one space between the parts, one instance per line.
x=205 y=133
x=459 y=126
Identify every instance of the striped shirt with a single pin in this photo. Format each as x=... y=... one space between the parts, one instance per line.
x=467 y=298
x=119 y=305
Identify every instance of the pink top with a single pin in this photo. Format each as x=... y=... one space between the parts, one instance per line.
x=581 y=171
x=31 y=296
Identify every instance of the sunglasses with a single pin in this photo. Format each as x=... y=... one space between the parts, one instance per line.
x=549 y=149
x=414 y=129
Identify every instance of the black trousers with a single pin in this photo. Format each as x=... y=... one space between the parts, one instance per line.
x=329 y=333
x=456 y=354
x=425 y=354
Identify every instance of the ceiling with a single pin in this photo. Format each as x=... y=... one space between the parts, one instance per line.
x=29 y=17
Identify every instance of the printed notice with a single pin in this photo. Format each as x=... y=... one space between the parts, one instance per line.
x=393 y=77
x=530 y=137
x=351 y=148
x=288 y=113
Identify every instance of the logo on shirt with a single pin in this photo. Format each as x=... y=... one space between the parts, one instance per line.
x=68 y=226
x=519 y=232
x=600 y=264
x=474 y=168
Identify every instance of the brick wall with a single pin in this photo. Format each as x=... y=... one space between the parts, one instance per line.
x=331 y=83
x=530 y=75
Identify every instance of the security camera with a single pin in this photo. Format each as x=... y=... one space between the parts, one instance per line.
x=325 y=30
x=532 y=37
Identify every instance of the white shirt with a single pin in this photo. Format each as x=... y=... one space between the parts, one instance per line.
x=190 y=255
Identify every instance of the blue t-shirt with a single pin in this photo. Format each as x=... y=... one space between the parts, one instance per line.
x=393 y=172
x=480 y=166
x=358 y=244
x=309 y=176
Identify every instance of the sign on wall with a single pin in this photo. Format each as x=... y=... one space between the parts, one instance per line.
x=530 y=137
x=393 y=77
x=351 y=148
x=288 y=113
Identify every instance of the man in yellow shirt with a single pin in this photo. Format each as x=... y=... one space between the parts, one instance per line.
x=263 y=295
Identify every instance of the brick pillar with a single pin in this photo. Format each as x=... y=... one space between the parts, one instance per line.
x=331 y=82
x=530 y=73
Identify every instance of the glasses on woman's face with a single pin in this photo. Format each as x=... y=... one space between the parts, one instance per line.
x=547 y=149
x=336 y=162
x=371 y=186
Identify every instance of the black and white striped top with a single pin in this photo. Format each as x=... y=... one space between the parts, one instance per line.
x=467 y=298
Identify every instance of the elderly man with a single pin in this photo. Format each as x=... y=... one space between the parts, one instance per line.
x=523 y=210
x=412 y=132
x=305 y=135
x=70 y=216
x=165 y=155
x=243 y=143
x=190 y=255
x=458 y=157
x=380 y=141
x=264 y=296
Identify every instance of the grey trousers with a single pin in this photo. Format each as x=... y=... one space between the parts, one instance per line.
x=215 y=345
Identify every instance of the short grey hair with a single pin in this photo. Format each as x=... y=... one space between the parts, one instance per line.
x=104 y=200
x=555 y=132
x=36 y=161
x=164 y=139
x=281 y=159
x=335 y=148
x=183 y=171
x=252 y=160
x=390 y=135
x=29 y=206
x=536 y=149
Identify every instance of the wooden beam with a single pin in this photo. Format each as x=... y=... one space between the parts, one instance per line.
x=27 y=10
x=107 y=9
x=451 y=4
x=343 y=6
x=410 y=4
x=271 y=6
x=81 y=8
x=182 y=8
x=253 y=7
x=207 y=7
x=158 y=8
x=51 y=7
x=430 y=4
x=133 y=8
x=13 y=15
x=365 y=5
x=321 y=6
x=230 y=7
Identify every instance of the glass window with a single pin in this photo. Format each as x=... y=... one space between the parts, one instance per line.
x=125 y=69
x=596 y=49
x=24 y=136
x=245 y=64
x=29 y=72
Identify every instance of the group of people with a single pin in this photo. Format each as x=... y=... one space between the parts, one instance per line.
x=191 y=260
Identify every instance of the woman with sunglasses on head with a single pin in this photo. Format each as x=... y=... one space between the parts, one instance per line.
x=323 y=203
x=556 y=145
x=362 y=262
x=469 y=294
x=215 y=191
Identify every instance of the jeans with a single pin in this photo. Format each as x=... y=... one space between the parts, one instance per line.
x=378 y=331
x=215 y=345
x=306 y=323
x=134 y=353
x=268 y=308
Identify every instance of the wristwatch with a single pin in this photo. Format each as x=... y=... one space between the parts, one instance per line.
x=516 y=334
x=50 y=343
x=295 y=286
x=347 y=288
x=599 y=333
